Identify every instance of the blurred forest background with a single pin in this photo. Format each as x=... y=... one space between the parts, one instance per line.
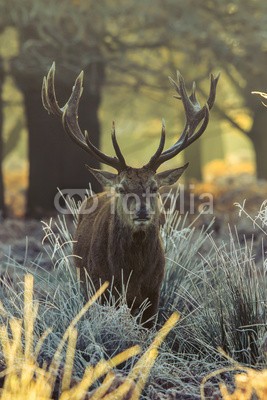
x=127 y=51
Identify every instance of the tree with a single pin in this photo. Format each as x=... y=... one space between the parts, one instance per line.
x=2 y=201
x=133 y=45
x=77 y=35
x=55 y=162
x=230 y=35
x=245 y=66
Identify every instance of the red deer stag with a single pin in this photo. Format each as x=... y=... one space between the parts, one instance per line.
x=123 y=233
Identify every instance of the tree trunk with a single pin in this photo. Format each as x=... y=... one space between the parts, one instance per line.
x=258 y=136
x=2 y=197
x=55 y=161
x=193 y=156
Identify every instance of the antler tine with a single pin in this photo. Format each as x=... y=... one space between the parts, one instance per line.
x=116 y=146
x=160 y=148
x=71 y=126
x=69 y=114
x=191 y=138
x=44 y=95
x=213 y=86
x=49 y=99
x=184 y=141
x=192 y=96
x=194 y=115
x=263 y=95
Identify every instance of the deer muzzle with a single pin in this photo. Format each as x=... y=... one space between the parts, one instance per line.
x=142 y=216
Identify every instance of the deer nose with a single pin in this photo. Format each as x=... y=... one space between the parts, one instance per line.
x=142 y=213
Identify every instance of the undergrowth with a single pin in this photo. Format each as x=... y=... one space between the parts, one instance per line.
x=216 y=287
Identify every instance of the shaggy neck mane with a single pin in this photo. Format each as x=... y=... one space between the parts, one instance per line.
x=132 y=250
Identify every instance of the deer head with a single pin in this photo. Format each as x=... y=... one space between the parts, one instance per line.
x=133 y=186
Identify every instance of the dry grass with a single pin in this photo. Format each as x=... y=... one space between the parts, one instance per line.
x=24 y=379
x=248 y=383
x=220 y=295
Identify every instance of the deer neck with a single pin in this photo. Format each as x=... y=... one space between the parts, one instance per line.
x=132 y=250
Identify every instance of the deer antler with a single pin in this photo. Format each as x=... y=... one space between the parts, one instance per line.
x=69 y=115
x=194 y=115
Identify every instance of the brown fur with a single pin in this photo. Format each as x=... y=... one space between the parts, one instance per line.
x=108 y=243
x=110 y=247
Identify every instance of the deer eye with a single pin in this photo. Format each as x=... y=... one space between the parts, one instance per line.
x=154 y=189
x=121 y=190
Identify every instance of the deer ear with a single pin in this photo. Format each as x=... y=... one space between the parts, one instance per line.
x=106 y=179
x=167 y=178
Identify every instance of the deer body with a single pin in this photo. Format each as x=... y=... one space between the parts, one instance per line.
x=111 y=249
x=121 y=236
x=118 y=244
